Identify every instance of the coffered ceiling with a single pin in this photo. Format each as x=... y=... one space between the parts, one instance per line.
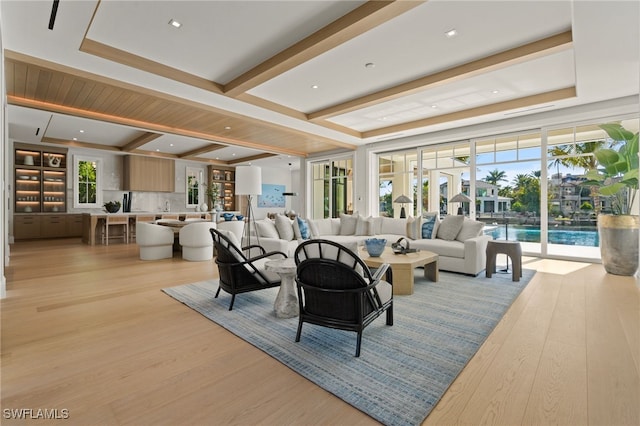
x=260 y=81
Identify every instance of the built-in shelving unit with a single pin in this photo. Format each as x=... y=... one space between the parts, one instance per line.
x=40 y=179
x=224 y=178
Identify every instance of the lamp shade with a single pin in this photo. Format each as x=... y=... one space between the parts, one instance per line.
x=460 y=198
x=248 y=180
x=402 y=199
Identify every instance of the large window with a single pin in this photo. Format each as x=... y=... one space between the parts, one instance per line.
x=397 y=176
x=527 y=186
x=87 y=182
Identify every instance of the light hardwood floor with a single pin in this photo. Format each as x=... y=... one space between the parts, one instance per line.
x=87 y=329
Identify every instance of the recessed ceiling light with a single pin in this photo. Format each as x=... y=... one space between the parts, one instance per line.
x=175 y=23
x=495 y=92
x=369 y=65
x=217 y=158
x=227 y=127
x=75 y=139
x=170 y=144
x=233 y=155
x=157 y=149
x=81 y=131
x=315 y=86
x=434 y=106
x=451 y=33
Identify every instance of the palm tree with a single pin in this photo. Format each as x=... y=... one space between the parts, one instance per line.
x=496 y=176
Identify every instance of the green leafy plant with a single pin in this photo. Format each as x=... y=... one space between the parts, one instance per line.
x=112 y=206
x=616 y=174
x=212 y=192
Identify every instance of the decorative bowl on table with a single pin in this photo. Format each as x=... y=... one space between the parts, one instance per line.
x=228 y=216
x=375 y=246
x=112 y=206
x=239 y=217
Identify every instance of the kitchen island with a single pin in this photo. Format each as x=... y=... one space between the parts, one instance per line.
x=91 y=221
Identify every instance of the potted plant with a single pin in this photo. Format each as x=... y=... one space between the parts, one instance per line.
x=212 y=192
x=112 y=206
x=616 y=176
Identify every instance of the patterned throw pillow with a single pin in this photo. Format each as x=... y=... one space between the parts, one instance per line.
x=427 y=226
x=303 y=228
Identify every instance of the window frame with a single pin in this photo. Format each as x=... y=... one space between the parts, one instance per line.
x=77 y=159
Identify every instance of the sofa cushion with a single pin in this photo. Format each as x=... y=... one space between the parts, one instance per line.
x=449 y=227
x=348 y=224
x=470 y=229
x=284 y=227
x=321 y=227
x=394 y=226
x=428 y=226
x=441 y=247
x=414 y=227
x=267 y=229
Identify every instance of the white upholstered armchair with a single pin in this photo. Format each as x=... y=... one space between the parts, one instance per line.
x=155 y=241
x=196 y=241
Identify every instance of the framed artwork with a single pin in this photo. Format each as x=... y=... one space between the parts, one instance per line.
x=272 y=196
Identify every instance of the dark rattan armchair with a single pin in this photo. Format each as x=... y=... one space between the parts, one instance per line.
x=336 y=289
x=238 y=273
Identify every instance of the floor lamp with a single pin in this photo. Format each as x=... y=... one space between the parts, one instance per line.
x=403 y=199
x=249 y=183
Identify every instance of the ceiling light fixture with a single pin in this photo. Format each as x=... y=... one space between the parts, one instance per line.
x=175 y=23
x=75 y=139
x=369 y=65
x=451 y=33
x=227 y=127
x=315 y=86
x=434 y=106
x=170 y=144
x=81 y=131
x=495 y=92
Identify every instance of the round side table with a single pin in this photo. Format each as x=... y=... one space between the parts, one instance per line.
x=286 y=304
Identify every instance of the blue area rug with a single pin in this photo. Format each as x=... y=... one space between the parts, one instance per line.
x=404 y=369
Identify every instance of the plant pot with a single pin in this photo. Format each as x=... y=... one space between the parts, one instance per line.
x=619 y=243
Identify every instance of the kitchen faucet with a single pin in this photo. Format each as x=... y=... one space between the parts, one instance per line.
x=167 y=206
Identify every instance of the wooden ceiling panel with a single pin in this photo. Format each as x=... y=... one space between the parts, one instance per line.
x=60 y=89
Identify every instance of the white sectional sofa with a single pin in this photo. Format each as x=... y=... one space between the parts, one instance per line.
x=459 y=242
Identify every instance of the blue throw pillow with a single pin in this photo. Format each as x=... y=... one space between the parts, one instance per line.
x=304 y=228
x=427 y=227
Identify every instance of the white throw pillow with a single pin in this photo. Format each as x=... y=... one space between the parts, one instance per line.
x=364 y=226
x=449 y=227
x=348 y=224
x=470 y=229
x=284 y=226
x=313 y=228
x=267 y=229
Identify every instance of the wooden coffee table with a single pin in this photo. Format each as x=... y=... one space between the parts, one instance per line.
x=402 y=266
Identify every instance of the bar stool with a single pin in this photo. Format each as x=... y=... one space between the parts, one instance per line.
x=141 y=218
x=509 y=248
x=115 y=220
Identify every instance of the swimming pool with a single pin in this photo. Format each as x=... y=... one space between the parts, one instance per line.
x=574 y=236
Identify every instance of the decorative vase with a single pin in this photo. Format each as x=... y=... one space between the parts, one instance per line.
x=375 y=246
x=204 y=207
x=619 y=243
